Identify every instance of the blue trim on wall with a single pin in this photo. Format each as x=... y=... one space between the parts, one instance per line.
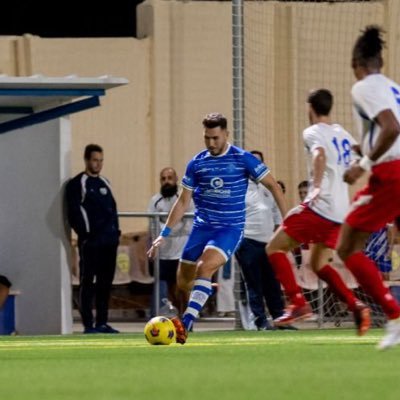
x=52 y=92
x=16 y=110
x=47 y=115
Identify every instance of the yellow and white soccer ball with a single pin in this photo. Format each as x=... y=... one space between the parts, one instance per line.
x=160 y=330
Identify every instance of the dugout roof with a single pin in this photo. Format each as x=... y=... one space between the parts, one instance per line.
x=26 y=101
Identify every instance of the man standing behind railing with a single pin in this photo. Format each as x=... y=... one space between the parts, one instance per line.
x=171 y=252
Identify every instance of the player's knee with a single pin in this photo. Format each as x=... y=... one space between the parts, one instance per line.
x=184 y=284
x=343 y=251
x=206 y=269
x=270 y=249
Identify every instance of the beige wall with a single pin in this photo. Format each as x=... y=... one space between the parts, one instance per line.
x=121 y=124
x=8 y=56
x=191 y=74
x=180 y=68
x=307 y=46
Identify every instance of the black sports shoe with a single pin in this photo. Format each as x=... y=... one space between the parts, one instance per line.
x=105 y=328
x=287 y=328
x=89 y=330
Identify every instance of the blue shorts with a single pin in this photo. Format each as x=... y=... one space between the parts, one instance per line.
x=224 y=240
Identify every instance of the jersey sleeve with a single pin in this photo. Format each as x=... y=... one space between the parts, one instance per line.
x=369 y=99
x=189 y=179
x=255 y=168
x=312 y=140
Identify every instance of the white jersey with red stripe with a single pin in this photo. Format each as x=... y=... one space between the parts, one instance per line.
x=372 y=95
x=333 y=201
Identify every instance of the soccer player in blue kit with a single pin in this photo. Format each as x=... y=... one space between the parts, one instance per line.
x=217 y=178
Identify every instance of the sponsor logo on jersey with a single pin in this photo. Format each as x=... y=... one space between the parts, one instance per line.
x=217 y=182
x=217 y=190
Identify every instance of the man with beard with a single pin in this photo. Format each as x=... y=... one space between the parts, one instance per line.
x=172 y=251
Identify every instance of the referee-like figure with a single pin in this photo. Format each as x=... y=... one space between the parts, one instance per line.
x=92 y=213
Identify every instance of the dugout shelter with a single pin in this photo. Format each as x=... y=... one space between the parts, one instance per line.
x=35 y=151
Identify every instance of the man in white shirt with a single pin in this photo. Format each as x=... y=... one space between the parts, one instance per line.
x=317 y=220
x=262 y=218
x=376 y=100
x=171 y=252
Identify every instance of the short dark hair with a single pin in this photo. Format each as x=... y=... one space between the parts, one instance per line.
x=367 y=50
x=213 y=120
x=259 y=153
x=91 y=148
x=302 y=184
x=321 y=101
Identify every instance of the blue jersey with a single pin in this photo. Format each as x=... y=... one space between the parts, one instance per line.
x=219 y=185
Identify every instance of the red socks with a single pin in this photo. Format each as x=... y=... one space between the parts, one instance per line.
x=284 y=273
x=368 y=276
x=337 y=286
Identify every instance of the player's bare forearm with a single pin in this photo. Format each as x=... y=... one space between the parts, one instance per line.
x=179 y=208
x=318 y=169
x=319 y=164
x=353 y=173
x=356 y=148
x=175 y=215
x=270 y=183
x=390 y=129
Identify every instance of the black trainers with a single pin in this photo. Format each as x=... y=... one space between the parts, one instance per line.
x=262 y=324
x=105 y=328
x=89 y=330
x=287 y=328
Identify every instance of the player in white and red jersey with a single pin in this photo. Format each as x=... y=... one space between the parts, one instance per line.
x=376 y=100
x=317 y=220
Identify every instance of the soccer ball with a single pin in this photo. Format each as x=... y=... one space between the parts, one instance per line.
x=160 y=330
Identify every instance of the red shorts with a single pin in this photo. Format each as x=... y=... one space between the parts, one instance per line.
x=379 y=202
x=305 y=226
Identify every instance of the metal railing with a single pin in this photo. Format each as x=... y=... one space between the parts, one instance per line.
x=155 y=228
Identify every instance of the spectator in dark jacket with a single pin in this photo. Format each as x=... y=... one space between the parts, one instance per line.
x=92 y=213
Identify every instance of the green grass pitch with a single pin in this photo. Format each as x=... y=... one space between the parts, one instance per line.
x=303 y=365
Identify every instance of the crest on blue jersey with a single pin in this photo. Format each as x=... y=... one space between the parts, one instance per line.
x=217 y=182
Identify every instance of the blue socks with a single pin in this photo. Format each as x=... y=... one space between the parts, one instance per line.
x=198 y=296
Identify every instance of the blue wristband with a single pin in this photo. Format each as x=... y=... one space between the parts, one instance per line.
x=165 y=231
